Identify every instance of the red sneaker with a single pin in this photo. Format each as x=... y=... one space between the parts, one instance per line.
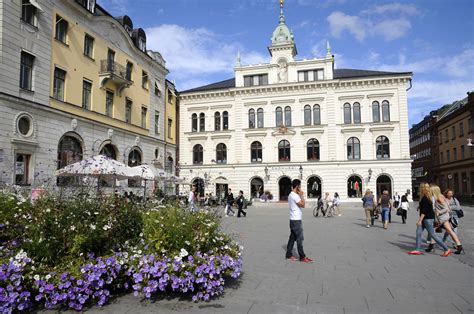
x=306 y=260
x=292 y=258
x=447 y=253
x=415 y=253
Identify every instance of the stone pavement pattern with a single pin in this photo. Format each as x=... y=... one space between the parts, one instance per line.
x=356 y=270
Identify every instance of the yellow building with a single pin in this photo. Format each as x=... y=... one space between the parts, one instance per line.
x=170 y=112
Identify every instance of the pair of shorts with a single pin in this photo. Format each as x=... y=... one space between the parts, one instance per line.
x=385 y=212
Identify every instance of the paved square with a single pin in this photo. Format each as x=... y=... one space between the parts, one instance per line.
x=356 y=270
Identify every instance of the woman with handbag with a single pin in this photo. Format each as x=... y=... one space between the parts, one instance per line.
x=404 y=206
x=426 y=221
x=455 y=214
x=368 y=203
x=443 y=211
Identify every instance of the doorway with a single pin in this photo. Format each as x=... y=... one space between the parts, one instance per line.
x=199 y=184
x=22 y=169
x=256 y=187
x=384 y=183
x=221 y=192
x=284 y=185
x=314 y=187
x=354 y=186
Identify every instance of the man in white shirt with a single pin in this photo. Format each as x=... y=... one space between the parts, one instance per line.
x=296 y=203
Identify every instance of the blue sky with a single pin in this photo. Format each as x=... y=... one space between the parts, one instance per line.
x=199 y=39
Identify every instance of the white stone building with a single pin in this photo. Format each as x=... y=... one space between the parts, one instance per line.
x=38 y=132
x=338 y=130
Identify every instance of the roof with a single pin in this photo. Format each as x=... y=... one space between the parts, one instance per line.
x=338 y=74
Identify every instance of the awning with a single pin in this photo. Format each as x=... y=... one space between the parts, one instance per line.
x=36 y=5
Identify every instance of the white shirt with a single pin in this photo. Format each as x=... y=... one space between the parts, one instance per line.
x=404 y=205
x=191 y=197
x=295 y=210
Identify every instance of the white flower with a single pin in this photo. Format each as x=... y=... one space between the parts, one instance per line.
x=73 y=228
x=187 y=242
x=92 y=226
x=96 y=213
x=183 y=253
x=36 y=277
x=48 y=276
x=48 y=210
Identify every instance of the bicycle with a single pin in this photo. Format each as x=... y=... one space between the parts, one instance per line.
x=319 y=207
x=331 y=212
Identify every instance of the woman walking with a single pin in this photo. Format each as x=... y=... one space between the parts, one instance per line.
x=368 y=203
x=455 y=213
x=443 y=210
x=386 y=203
x=426 y=221
x=192 y=200
x=240 y=204
x=337 y=203
x=404 y=206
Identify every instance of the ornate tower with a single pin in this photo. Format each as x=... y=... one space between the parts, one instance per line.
x=283 y=42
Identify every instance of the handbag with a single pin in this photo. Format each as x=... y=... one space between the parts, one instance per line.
x=453 y=222
x=460 y=213
x=399 y=211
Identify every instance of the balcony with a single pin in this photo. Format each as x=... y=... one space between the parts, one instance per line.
x=116 y=73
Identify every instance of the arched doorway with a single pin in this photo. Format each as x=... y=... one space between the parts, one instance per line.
x=134 y=159
x=256 y=187
x=284 y=185
x=354 y=186
x=109 y=150
x=384 y=183
x=314 y=187
x=199 y=184
x=69 y=151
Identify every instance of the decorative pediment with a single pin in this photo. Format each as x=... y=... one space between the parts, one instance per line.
x=283 y=130
x=256 y=134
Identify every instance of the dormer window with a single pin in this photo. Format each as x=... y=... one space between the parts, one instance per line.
x=28 y=12
x=141 y=44
x=128 y=30
x=255 y=80
x=139 y=39
x=87 y=4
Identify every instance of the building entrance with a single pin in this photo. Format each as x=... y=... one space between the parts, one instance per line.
x=354 y=186
x=284 y=188
x=256 y=187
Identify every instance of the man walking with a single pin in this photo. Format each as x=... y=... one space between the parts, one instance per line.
x=296 y=202
x=229 y=203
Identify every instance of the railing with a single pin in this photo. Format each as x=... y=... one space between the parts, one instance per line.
x=114 y=68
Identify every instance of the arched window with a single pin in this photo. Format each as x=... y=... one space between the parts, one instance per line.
x=134 y=159
x=256 y=152
x=202 y=122
x=217 y=121
x=279 y=116
x=316 y=115
x=347 y=113
x=260 y=118
x=288 y=116
x=251 y=118
x=375 y=111
x=356 y=112
x=225 y=118
x=307 y=115
x=353 y=148
x=382 y=147
x=385 y=111
x=221 y=153
x=109 y=151
x=197 y=154
x=194 y=124
x=284 y=151
x=69 y=151
x=312 y=149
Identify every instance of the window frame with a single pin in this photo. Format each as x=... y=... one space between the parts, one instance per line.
x=356 y=114
x=316 y=114
x=382 y=147
x=86 y=105
x=307 y=115
x=170 y=127
x=29 y=13
x=287 y=116
x=251 y=118
x=260 y=118
x=347 y=109
x=144 y=114
x=198 y=152
x=26 y=70
x=279 y=116
x=59 y=88
x=313 y=146
x=284 y=151
x=202 y=122
x=221 y=153
x=194 y=122
x=256 y=149
x=89 y=46
x=128 y=110
x=61 y=22
x=354 y=143
x=225 y=120
x=145 y=79
x=157 y=122
x=217 y=121
x=385 y=111
x=109 y=103
x=375 y=112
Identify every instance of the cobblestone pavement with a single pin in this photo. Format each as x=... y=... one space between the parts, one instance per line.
x=356 y=270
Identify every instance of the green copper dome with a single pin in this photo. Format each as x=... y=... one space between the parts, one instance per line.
x=282 y=34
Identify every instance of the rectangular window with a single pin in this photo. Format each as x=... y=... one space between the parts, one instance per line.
x=109 y=103
x=455 y=154
x=453 y=131
x=461 y=129
x=311 y=75
x=128 y=71
x=255 y=80
x=144 y=110
x=157 y=122
x=89 y=46
x=144 y=80
x=59 y=84
x=170 y=126
x=26 y=71
x=448 y=156
x=157 y=90
x=470 y=125
x=441 y=158
x=86 y=94
x=170 y=97
x=440 y=138
x=128 y=110
x=463 y=152
x=61 y=29
x=88 y=4
x=28 y=12
x=446 y=135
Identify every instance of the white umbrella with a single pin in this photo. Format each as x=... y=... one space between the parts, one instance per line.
x=147 y=172
x=96 y=166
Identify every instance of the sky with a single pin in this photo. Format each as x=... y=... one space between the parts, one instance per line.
x=199 y=39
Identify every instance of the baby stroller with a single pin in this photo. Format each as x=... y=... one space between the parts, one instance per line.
x=319 y=207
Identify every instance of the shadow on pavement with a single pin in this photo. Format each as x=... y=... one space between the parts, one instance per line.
x=404 y=246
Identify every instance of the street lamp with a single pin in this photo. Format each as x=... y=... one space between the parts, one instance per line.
x=370 y=174
x=301 y=172
x=267 y=176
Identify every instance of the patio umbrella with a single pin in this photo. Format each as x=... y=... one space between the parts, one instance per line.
x=98 y=166
x=146 y=172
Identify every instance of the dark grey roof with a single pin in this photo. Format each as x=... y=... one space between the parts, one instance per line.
x=338 y=74
x=219 y=85
x=352 y=73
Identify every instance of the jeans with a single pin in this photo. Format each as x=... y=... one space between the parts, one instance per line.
x=385 y=214
x=193 y=207
x=241 y=211
x=428 y=225
x=228 y=209
x=296 y=234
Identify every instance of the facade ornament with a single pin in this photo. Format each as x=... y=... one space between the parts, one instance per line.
x=282 y=72
x=110 y=133
x=328 y=49
x=137 y=140
x=74 y=124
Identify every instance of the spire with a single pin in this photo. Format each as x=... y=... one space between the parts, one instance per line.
x=237 y=60
x=282 y=17
x=328 y=49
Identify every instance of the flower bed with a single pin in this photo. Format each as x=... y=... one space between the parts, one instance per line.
x=80 y=251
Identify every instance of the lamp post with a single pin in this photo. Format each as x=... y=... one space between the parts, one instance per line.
x=267 y=176
x=370 y=174
x=301 y=172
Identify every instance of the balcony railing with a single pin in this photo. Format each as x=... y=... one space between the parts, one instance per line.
x=116 y=73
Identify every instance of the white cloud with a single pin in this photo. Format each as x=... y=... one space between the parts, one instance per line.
x=395 y=7
x=192 y=53
x=115 y=6
x=361 y=28
x=439 y=92
x=461 y=65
